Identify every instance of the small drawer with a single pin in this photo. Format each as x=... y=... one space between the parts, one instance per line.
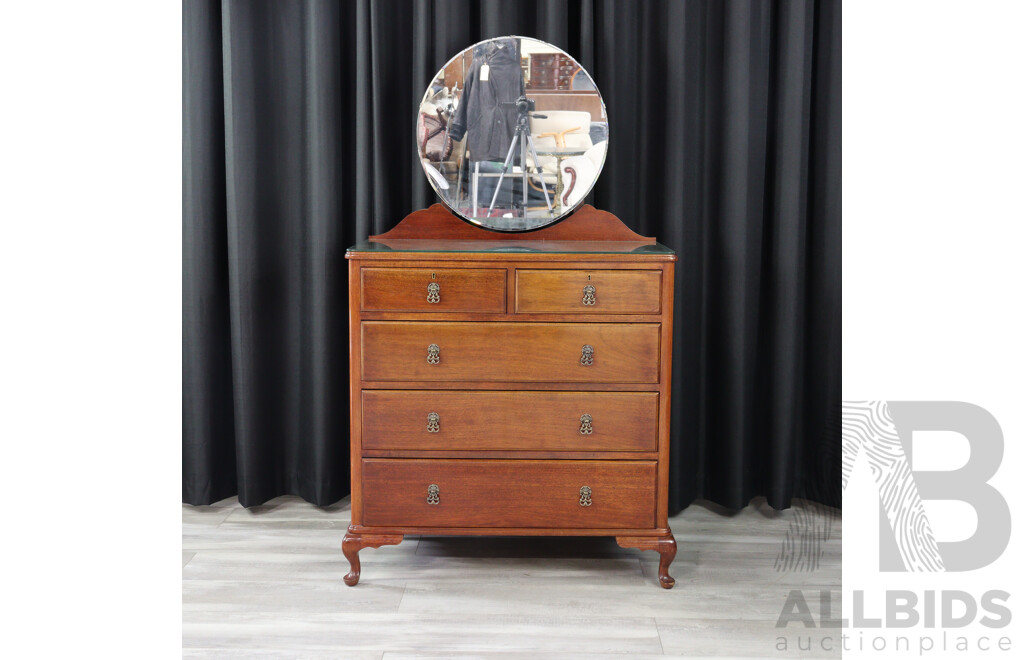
x=509 y=421
x=510 y=352
x=501 y=493
x=589 y=291
x=433 y=289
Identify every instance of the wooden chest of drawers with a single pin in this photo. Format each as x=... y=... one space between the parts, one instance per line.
x=510 y=384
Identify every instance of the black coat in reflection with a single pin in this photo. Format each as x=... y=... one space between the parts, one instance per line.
x=487 y=112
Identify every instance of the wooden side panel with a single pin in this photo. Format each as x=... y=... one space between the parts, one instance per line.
x=510 y=421
x=614 y=291
x=354 y=359
x=665 y=403
x=458 y=289
x=536 y=352
x=503 y=494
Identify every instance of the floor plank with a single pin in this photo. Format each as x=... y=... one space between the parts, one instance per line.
x=420 y=632
x=743 y=639
x=282 y=597
x=206 y=516
x=276 y=654
x=397 y=655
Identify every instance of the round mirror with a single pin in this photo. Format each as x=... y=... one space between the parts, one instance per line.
x=512 y=134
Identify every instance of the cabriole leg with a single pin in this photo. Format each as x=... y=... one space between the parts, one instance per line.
x=353 y=543
x=663 y=545
x=667 y=549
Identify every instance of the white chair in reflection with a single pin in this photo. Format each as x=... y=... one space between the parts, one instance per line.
x=559 y=136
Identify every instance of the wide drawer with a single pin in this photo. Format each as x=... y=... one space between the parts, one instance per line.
x=433 y=289
x=588 y=291
x=530 y=352
x=510 y=421
x=475 y=493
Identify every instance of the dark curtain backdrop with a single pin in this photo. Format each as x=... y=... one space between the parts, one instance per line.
x=725 y=144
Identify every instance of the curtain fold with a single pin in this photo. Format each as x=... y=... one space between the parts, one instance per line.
x=725 y=143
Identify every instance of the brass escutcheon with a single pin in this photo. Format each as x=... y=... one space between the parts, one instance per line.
x=586 y=424
x=433 y=494
x=587 y=357
x=433 y=354
x=585 y=496
x=433 y=422
x=433 y=292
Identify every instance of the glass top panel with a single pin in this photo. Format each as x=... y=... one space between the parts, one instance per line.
x=512 y=246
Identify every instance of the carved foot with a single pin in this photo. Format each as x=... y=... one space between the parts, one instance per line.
x=667 y=549
x=664 y=545
x=353 y=543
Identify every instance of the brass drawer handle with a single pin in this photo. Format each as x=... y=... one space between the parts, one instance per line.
x=589 y=295
x=585 y=496
x=433 y=354
x=433 y=422
x=433 y=494
x=586 y=424
x=587 y=358
x=433 y=292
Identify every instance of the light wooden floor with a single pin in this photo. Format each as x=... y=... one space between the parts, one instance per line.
x=266 y=583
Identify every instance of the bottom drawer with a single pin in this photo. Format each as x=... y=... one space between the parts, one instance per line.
x=500 y=493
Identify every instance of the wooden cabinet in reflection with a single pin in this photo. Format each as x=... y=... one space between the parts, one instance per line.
x=551 y=71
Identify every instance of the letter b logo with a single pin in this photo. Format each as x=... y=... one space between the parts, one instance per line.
x=883 y=431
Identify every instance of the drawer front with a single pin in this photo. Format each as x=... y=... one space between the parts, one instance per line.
x=530 y=352
x=589 y=291
x=510 y=421
x=433 y=289
x=474 y=493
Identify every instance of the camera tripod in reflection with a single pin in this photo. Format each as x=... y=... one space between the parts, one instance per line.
x=524 y=141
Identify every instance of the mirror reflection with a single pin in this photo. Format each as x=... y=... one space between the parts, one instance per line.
x=512 y=134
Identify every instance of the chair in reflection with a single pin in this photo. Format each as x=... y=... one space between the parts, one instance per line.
x=559 y=136
x=579 y=174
